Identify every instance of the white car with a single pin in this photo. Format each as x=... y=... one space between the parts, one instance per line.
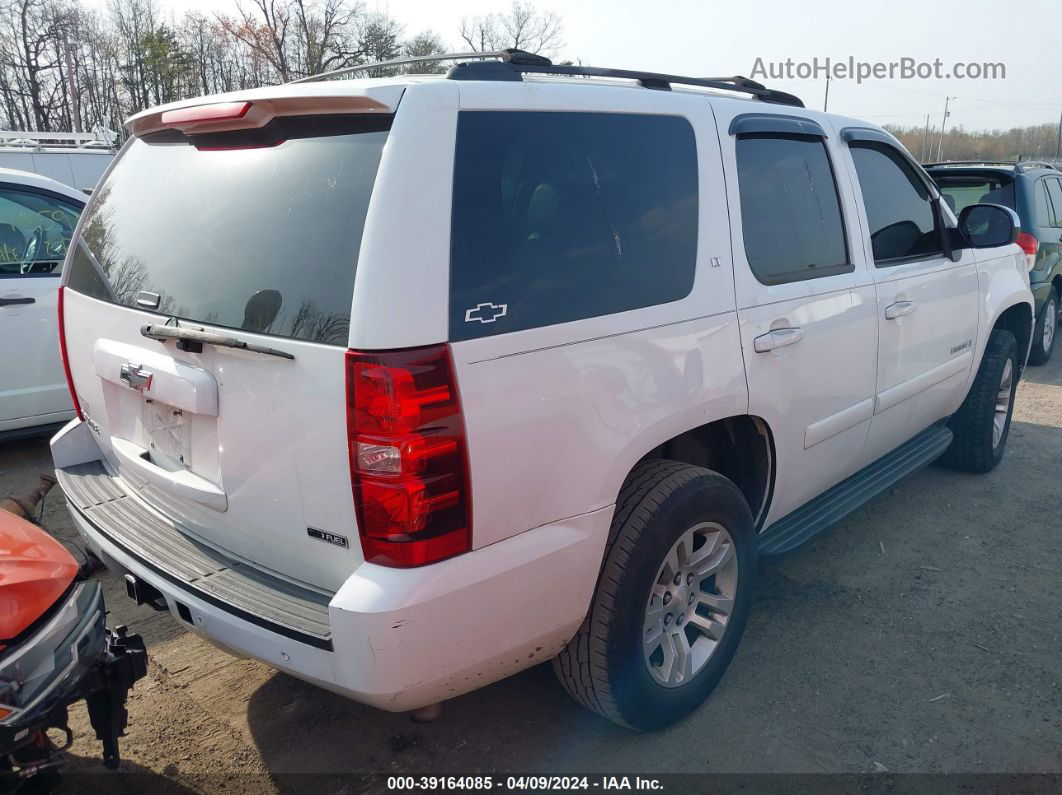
x=37 y=218
x=404 y=385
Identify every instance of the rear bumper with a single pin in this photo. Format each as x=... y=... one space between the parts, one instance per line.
x=398 y=639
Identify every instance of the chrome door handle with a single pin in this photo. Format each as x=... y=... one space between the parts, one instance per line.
x=900 y=309
x=778 y=338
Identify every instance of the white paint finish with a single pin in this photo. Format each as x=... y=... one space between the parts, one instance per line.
x=554 y=432
x=32 y=383
x=180 y=483
x=397 y=642
x=894 y=396
x=74 y=444
x=812 y=393
x=836 y=423
x=403 y=275
x=813 y=388
x=277 y=447
x=33 y=387
x=172 y=382
x=557 y=416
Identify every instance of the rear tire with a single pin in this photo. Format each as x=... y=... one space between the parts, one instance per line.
x=982 y=423
x=683 y=534
x=1046 y=332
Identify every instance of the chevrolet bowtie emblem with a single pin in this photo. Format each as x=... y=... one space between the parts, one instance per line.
x=486 y=313
x=135 y=377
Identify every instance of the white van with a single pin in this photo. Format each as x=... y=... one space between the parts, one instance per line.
x=403 y=385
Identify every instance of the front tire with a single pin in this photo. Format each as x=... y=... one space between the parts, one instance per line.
x=1045 y=333
x=672 y=598
x=982 y=423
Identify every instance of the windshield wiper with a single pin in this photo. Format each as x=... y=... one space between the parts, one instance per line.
x=159 y=332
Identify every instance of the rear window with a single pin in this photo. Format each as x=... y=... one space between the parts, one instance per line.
x=564 y=216
x=197 y=233
x=960 y=191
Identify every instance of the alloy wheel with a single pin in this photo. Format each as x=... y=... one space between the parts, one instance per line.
x=690 y=604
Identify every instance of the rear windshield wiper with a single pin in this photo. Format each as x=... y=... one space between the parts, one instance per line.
x=157 y=332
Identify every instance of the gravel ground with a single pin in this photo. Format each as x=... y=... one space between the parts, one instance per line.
x=923 y=634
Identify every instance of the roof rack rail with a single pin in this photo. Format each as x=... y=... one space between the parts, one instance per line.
x=364 y=67
x=512 y=64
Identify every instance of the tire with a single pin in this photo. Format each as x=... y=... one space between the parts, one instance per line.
x=605 y=667
x=1046 y=332
x=978 y=445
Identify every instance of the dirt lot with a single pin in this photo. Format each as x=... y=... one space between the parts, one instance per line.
x=924 y=634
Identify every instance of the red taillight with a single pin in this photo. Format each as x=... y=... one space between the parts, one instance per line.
x=408 y=456
x=200 y=114
x=1030 y=245
x=66 y=359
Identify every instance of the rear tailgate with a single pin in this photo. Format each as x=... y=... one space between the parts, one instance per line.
x=253 y=234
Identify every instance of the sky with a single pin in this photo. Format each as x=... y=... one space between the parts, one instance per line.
x=716 y=38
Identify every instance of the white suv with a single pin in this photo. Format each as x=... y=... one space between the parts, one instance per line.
x=404 y=385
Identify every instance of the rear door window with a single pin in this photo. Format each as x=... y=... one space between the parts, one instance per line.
x=35 y=230
x=564 y=216
x=902 y=221
x=790 y=213
x=1054 y=192
x=197 y=233
x=961 y=191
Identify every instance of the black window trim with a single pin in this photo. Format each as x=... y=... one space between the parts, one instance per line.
x=861 y=139
x=806 y=274
x=49 y=194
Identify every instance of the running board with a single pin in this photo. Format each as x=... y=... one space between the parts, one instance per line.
x=830 y=507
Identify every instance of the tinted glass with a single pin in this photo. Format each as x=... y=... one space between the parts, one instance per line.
x=902 y=223
x=564 y=216
x=1054 y=191
x=35 y=230
x=207 y=230
x=1043 y=204
x=960 y=192
x=790 y=213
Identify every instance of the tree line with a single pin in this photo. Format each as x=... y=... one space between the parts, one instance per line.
x=68 y=66
x=1035 y=142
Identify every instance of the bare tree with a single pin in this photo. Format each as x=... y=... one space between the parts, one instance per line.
x=427 y=42
x=523 y=27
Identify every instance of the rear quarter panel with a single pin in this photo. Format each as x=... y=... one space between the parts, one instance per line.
x=558 y=415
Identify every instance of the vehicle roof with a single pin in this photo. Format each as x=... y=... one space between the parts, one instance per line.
x=44 y=183
x=388 y=90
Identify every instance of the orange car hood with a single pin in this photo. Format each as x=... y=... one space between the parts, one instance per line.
x=35 y=570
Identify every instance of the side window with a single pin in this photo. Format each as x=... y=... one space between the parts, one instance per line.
x=1044 y=214
x=901 y=216
x=1054 y=191
x=35 y=230
x=565 y=216
x=790 y=212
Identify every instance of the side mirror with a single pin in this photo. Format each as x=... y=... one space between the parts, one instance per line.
x=988 y=225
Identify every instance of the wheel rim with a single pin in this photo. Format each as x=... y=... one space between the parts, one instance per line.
x=999 y=422
x=690 y=604
x=1050 y=324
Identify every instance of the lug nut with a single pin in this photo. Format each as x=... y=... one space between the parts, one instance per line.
x=678 y=579
x=692 y=598
x=689 y=579
x=679 y=620
x=667 y=619
x=667 y=598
